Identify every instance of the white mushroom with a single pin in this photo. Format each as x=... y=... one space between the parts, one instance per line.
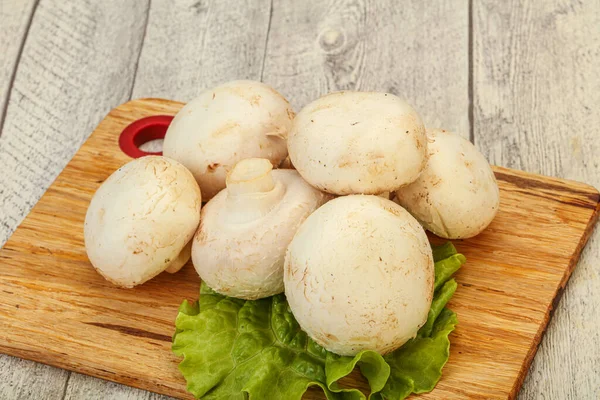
x=456 y=196
x=140 y=219
x=358 y=142
x=359 y=275
x=237 y=120
x=240 y=245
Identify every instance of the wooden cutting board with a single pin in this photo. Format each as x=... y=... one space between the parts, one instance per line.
x=55 y=308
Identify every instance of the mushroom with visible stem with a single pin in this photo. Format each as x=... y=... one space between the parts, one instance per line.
x=456 y=196
x=358 y=143
x=141 y=220
x=225 y=124
x=240 y=245
x=359 y=275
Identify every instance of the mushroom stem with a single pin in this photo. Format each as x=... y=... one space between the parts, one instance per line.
x=249 y=176
x=181 y=259
x=251 y=190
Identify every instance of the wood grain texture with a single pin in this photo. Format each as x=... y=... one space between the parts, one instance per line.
x=72 y=46
x=191 y=45
x=536 y=96
x=76 y=64
x=21 y=379
x=25 y=380
x=415 y=49
x=515 y=270
x=86 y=387
x=15 y=18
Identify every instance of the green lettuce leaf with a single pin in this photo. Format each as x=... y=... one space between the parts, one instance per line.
x=232 y=348
x=236 y=349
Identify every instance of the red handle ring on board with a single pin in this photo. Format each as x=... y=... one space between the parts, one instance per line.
x=142 y=131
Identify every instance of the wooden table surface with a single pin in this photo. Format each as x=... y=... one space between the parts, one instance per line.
x=520 y=78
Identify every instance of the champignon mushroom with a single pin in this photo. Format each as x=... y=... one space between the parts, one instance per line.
x=140 y=219
x=456 y=196
x=358 y=142
x=359 y=275
x=240 y=245
x=237 y=120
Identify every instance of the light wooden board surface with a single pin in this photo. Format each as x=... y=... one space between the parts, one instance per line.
x=530 y=84
x=56 y=309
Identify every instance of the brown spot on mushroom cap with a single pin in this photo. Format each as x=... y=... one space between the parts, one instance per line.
x=430 y=282
x=419 y=144
x=255 y=100
x=375 y=155
x=275 y=92
x=200 y=235
x=377 y=167
x=101 y=213
x=391 y=209
x=228 y=128
x=290 y=113
x=323 y=106
x=345 y=162
x=245 y=92
x=435 y=181
x=212 y=167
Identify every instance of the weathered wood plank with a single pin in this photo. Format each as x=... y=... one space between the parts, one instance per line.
x=76 y=64
x=85 y=387
x=26 y=380
x=20 y=377
x=416 y=49
x=536 y=96
x=15 y=18
x=194 y=44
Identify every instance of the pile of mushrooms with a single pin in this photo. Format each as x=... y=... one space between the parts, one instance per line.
x=357 y=270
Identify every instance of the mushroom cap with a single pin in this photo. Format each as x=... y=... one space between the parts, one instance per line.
x=231 y=122
x=359 y=275
x=456 y=196
x=240 y=254
x=358 y=142
x=140 y=219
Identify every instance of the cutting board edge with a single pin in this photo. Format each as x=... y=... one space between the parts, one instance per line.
x=132 y=382
x=557 y=296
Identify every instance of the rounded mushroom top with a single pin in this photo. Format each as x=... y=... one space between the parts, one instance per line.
x=240 y=245
x=456 y=196
x=225 y=124
x=358 y=142
x=140 y=219
x=359 y=275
